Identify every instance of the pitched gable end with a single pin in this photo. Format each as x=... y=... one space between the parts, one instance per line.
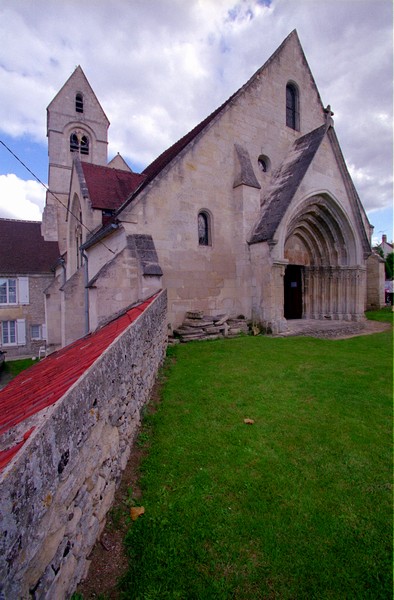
x=77 y=82
x=172 y=153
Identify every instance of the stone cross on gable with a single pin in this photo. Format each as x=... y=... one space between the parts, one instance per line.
x=329 y=114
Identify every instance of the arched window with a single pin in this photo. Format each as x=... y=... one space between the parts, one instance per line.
x=204 y=234
x=84 y=145
x=79 y=103
x=79 y=143
x=292 y=107
x=74 y=143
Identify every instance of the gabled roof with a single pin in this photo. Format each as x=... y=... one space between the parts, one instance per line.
x=23 y=250
x=107 y=187
x=285 y=183
x=287 y=179
x=118 y=162
x=46 y=382
x=171 y=153
x=77 y=76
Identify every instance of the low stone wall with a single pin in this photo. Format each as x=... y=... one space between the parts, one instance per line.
x=55 y=496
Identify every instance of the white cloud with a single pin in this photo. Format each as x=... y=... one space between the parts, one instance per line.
x=21 y=199
x=158 y=67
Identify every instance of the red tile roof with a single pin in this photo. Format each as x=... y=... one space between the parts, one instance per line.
x=152 y=170
x=46 y=382
x=23 y=249
x=109 y=188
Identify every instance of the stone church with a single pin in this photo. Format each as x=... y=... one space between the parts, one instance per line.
x=253 y=212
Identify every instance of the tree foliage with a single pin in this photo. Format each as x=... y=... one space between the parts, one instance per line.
x=389 y=265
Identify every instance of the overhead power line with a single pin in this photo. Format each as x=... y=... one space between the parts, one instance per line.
x=52 y=194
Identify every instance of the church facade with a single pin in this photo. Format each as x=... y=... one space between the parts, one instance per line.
x=253 y=212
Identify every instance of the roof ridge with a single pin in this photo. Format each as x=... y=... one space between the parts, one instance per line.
x=168 y=155
x=19 y=220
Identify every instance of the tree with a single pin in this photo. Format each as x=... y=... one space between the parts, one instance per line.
x=389 y=265
x=379 y=250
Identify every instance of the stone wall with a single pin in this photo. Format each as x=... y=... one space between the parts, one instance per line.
x=375 y=282
x=55 y=495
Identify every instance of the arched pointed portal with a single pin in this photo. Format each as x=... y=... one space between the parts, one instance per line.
x=322 y=275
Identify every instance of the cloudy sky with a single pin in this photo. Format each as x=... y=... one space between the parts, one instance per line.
x=159 y=67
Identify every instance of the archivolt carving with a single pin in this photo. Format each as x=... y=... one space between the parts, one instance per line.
x=322 y=228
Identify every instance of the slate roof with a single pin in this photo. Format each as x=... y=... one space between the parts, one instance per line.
x=24 y=250
x=107 y=187
x=285 y=183
x=47 y=381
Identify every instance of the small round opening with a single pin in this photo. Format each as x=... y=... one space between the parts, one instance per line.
x=264 y=163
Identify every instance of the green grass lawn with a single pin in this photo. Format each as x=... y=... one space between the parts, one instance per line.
x=297 y=505
x=11 y=368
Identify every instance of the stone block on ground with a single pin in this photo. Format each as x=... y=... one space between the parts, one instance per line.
x=194 y=314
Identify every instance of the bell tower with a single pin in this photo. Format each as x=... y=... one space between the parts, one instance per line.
x=76 y=124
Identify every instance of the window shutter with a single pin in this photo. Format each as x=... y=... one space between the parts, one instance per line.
x=23 y=284
x=44 y=331
x=21 y=331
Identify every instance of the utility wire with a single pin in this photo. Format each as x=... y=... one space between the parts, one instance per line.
x=52 y=194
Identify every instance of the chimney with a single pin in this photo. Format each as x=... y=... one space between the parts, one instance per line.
x=384 y=239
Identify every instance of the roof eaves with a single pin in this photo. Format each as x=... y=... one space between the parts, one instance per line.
x=99 y=235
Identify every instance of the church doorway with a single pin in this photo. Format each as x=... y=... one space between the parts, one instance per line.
x=293 y=292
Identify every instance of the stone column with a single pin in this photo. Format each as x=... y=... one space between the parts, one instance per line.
x=278 y=322
x=335 y=288
x=340 y=292
x=324 y=292
x=359 y=293
x=308 y=287
x=329 y=301
x=346 y=295
x=319 y=294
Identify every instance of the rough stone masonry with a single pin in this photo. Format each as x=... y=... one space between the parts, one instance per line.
x=55 y=495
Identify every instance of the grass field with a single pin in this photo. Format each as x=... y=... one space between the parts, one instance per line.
x=297 y=505
x=11 y=368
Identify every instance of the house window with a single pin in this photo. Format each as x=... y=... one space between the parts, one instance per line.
x=14 y=290
x=204 y=233
x=79 y=103
x=36 y=332
x=13 y=333
x=292 y=107
x=8 y=333
x=7 y=291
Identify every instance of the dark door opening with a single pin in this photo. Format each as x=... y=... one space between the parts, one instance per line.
x=293 y=292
